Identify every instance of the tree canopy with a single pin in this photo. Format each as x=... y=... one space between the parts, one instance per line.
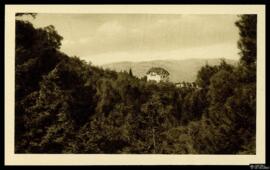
x=158 y=70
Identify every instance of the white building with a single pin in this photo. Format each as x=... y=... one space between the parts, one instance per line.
x=153 y=76
x=157 y=74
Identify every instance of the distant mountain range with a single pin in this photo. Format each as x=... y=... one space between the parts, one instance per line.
x=180 y=70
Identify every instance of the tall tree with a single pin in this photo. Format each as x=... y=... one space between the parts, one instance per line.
x=248 y=48
x=130 y=72
x=248 y=38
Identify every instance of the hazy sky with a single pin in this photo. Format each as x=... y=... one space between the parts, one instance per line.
x=105 y=38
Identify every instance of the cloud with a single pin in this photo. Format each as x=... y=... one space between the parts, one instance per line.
x=169 y=33
x=66 y=42
x=110 y=28
x=102 y=34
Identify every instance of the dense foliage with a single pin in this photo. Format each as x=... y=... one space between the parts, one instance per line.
x=158 y=70
x=65 y=105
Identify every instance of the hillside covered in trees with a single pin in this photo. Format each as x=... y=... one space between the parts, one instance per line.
x=65 y=105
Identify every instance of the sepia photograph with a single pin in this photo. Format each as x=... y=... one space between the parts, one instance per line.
x=135 y=83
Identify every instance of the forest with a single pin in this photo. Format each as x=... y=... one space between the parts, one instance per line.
x=66 y=105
